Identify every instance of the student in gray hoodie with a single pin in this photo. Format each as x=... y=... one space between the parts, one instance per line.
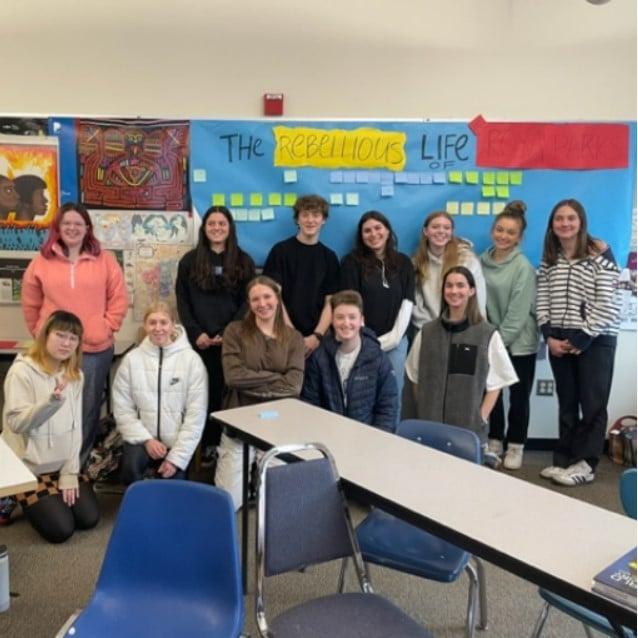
x=510 y=282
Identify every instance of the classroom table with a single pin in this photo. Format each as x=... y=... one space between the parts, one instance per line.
x=15 y=477
x=546 y=537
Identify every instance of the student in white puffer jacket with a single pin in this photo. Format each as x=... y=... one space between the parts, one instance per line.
x=160 y=394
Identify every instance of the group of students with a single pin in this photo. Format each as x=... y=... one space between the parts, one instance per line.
x=344 y=336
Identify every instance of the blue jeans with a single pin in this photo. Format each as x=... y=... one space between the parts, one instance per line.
x=96 y=367
x=397 y=358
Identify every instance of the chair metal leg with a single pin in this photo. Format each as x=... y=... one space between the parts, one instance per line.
x=342 y=575
x=482 y=592
x=472 y=595
x=540 y=623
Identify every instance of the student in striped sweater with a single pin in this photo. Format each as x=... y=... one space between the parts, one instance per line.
x=578 y=313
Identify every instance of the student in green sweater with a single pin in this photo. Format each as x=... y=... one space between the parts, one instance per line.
x=511 y=290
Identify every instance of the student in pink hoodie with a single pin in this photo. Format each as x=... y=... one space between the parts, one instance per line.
x=73 y=273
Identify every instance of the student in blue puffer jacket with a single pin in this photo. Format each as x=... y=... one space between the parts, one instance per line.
x=349 y=373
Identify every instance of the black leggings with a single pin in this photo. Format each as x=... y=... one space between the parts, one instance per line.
x=54 y=520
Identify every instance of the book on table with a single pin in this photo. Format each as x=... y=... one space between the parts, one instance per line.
x=618 y=580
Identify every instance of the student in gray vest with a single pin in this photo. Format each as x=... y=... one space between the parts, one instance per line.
x=458 y=364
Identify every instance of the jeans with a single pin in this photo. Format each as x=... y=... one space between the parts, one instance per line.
x=397 y=358
x=96 y=367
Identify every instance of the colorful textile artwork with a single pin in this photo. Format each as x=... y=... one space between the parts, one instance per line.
x=133 y=164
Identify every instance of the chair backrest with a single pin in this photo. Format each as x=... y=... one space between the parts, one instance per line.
x=454 y=440
x=177 y=539
x=302 y=517
x=627 y=488
x=302 y=510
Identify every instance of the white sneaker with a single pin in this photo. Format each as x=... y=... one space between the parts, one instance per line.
x=578 y=474
x=551 y=471
x=495 y=446
x=513 y=457
x=490 y=459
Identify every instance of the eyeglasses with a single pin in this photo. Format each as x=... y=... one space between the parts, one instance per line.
x=72 y=224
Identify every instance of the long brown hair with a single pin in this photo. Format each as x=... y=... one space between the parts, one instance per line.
x=365 y=256
x=585 y=243
x=451 y=254
x=249 y=324
x=472 y=311
x=236 y=264
x=65 y=322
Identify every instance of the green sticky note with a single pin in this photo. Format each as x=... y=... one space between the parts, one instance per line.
x=256 y=199
x=236 y=199
x=516 y=178
x=472 y=177
x=502 y=177
x=290 y=199
x=455 y=177
x=489 y=178
x=488 y=191
x=218 y=199
x=503 y=191
x=275 y=199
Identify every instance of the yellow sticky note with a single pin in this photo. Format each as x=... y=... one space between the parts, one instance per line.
x=483 y=208
x=502 y=177
x=274 y=199
x=516 y=178
x=488 y=191
x=472 y=177
x=452 y=208
x=218 y=199
x=503 y=191
x=290 y=199
x=467 y=208
x=236 y=199
x=256 y=199
x=455 y=177
x=489 y=178
x=352 y=199
x=267 y=214
x=336 y=199
x=497 y=207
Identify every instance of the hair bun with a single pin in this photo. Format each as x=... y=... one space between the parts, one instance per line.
x=516 y=206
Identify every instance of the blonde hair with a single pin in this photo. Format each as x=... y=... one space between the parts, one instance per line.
x=161 y=306
x=66 y=322
x=451 y=254
x=168 y=309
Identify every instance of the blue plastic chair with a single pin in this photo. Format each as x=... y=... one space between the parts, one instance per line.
x=171 y=567
x=391 y=542
x=589 y=619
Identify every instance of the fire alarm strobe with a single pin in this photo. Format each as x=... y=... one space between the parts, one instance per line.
x=273 y=103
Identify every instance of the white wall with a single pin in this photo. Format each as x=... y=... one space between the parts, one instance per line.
x=510 y=59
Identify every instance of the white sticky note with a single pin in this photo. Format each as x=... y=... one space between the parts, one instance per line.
x=352 y=199
x=267 y=214
x=336 y=199
x=199 y=175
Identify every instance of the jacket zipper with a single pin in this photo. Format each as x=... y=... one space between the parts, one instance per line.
x=159 y=394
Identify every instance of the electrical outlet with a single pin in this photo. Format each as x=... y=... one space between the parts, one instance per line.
x=545 y=387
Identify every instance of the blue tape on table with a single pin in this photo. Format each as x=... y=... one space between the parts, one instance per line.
x=268 y=414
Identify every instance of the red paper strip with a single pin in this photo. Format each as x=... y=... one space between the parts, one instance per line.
x=540 y=145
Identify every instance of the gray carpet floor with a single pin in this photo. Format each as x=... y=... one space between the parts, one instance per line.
x=50 y=581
